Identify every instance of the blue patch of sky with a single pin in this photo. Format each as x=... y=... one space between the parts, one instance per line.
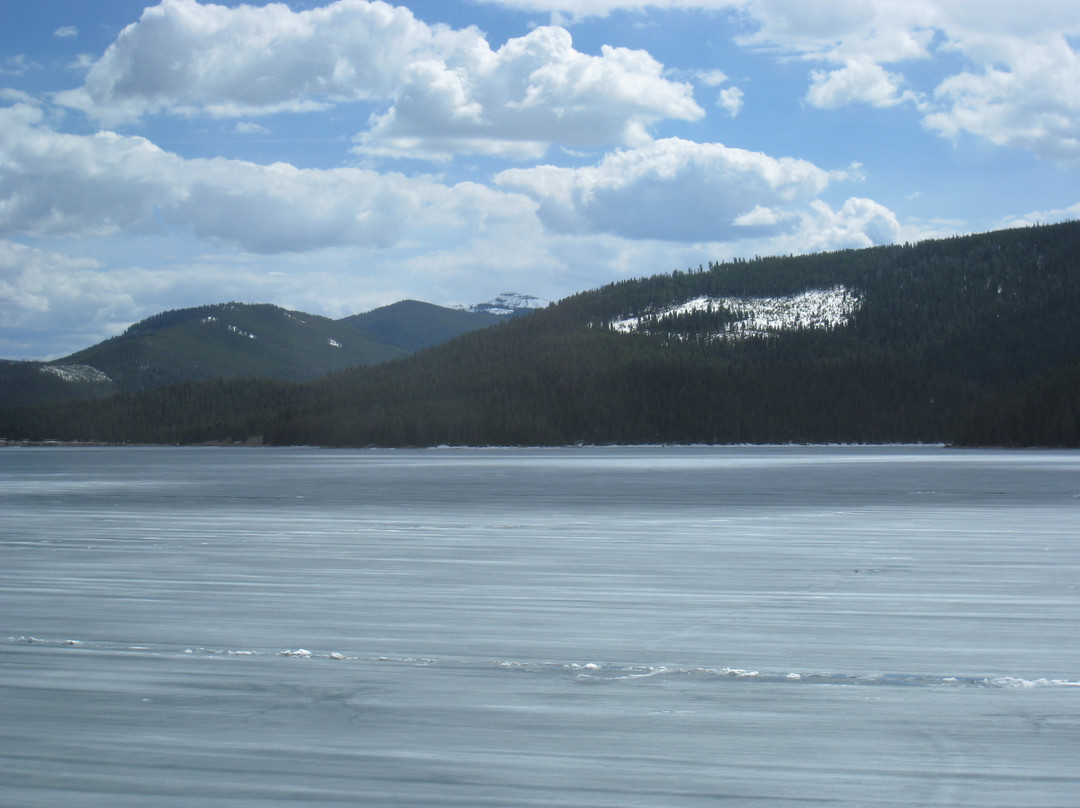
x=498 y=23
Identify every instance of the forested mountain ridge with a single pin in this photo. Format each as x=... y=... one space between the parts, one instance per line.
x=412 y=325
x=205 y=342
x=234 y=340
x=909 y=343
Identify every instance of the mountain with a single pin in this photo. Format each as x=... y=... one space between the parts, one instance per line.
x=234 y=340
x=954 y=340
x=507 y=304
x=231 y=340
x=411 y=325
x=28 y=383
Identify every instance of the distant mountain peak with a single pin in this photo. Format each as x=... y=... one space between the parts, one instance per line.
x=507 y=304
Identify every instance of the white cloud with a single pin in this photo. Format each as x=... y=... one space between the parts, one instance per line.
x=730 y=100
x=249 y=128
x=1019 y=88
x=859 y=81
x=712 y=78
x=67 y=184
x=182 y=56
x=1034 y=104
x=66 y=32
x=446 y=90
x=1052 y=216
x=675 y=190
x=858 y=223
x=46 y=295
x=532 y=91
x=15 y=65
x=23 y=283
x=1021 y=62
x=93 y=186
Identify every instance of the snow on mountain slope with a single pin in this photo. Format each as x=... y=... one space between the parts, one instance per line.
x=76 y=373
x=761 y=316
x=506 y=304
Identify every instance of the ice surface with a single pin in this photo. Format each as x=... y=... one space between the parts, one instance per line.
x=849 y=626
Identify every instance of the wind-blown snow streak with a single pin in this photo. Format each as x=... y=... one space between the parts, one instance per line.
x=578 y=670
x=762 y=316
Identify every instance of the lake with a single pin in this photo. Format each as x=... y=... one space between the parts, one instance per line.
x=657 y=626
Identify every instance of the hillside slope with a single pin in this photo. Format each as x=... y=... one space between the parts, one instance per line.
x=231 y=340
x=412 y=325
x=29 y=383
x=234 y=340
x=905 y=343
x=889 y=344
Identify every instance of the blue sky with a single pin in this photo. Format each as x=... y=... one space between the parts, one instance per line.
x=337 y=155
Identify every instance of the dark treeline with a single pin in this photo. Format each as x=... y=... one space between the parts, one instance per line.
x=971 y=339
x=1042 y=412
x=222 y=410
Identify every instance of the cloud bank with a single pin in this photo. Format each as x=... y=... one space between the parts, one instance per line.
x=674 y=190
x=56 y=184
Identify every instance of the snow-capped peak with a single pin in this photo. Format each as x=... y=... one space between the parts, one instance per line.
x=506 y=304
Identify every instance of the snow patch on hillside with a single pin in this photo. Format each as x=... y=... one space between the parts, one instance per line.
x=762 y=316
x=235 y=329
x=76 y=373
x=242 y=332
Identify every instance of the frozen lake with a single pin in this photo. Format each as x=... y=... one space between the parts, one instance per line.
x=842 y=626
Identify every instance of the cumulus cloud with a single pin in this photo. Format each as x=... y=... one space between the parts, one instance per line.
x=532 y=91
x=730 y=99
x=56 y=184
x=43 y=294
x=445 y=90
x=858 y=223
x=186 y=57
x=24 y=273
x=859 y=81
x=66 y=32
x=1021 y=60
x=676 y=190
x=1033 y=104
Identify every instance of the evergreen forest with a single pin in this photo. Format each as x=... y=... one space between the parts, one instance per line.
x=969 y=340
